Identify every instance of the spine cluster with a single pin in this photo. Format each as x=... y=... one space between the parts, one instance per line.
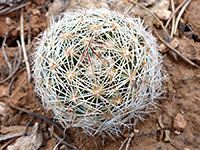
x=98 y=69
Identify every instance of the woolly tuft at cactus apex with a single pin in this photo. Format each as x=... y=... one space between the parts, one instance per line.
x=98 y=70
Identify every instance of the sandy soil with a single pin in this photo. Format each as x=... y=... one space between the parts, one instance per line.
x=182 y=87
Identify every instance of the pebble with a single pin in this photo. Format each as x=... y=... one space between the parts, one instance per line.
x=160 y=122
x=63 y=147
x=177 y=132
x=163 y=14
x=174 y=43
x=164 y=4
x=8 y=21
x=35 y=12
x=136 y=131
x=163 y=48
x=167 y=136
x=179 y=122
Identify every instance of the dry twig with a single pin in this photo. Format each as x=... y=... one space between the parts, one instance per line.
x=29 y=32
x=3 y=50
x=45 y=5
x=17 y=67
x=62 y=140
x=128 y=9
x=12 y=132
x=168 y=21
x=43 y=118
x=136 y=3
x=10 y=136
x=173 y=19
x=23 y=45
x=11 y=52
x=180 y=14
x=13 y=78
x=10 y=2
x=175 y=51
x=7 y=143
x=13 y=8
x=128 y=140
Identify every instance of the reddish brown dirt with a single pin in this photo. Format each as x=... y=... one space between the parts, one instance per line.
x=182 y=91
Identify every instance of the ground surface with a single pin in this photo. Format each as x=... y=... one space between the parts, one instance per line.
x=182 y=86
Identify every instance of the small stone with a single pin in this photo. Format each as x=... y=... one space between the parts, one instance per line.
x=160 y=122
x=179 y=122
x=163 y=14
x=163 y=48
x=136 y=131
x=56 y=7
x=182 y=112
x=177 y=132
x=63 y=147
x=167 y=136
x=174 y=43
x=164 y=4
x=8 y=21
x=160 y=134
x=35 y=12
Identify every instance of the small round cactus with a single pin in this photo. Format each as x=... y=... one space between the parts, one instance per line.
x=98 y=69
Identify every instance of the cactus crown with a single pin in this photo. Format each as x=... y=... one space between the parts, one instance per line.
x=97 y=69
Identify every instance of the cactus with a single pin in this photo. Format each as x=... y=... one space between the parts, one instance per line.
x=99 y=70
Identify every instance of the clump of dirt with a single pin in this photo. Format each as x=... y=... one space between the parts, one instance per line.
x=182 y=87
